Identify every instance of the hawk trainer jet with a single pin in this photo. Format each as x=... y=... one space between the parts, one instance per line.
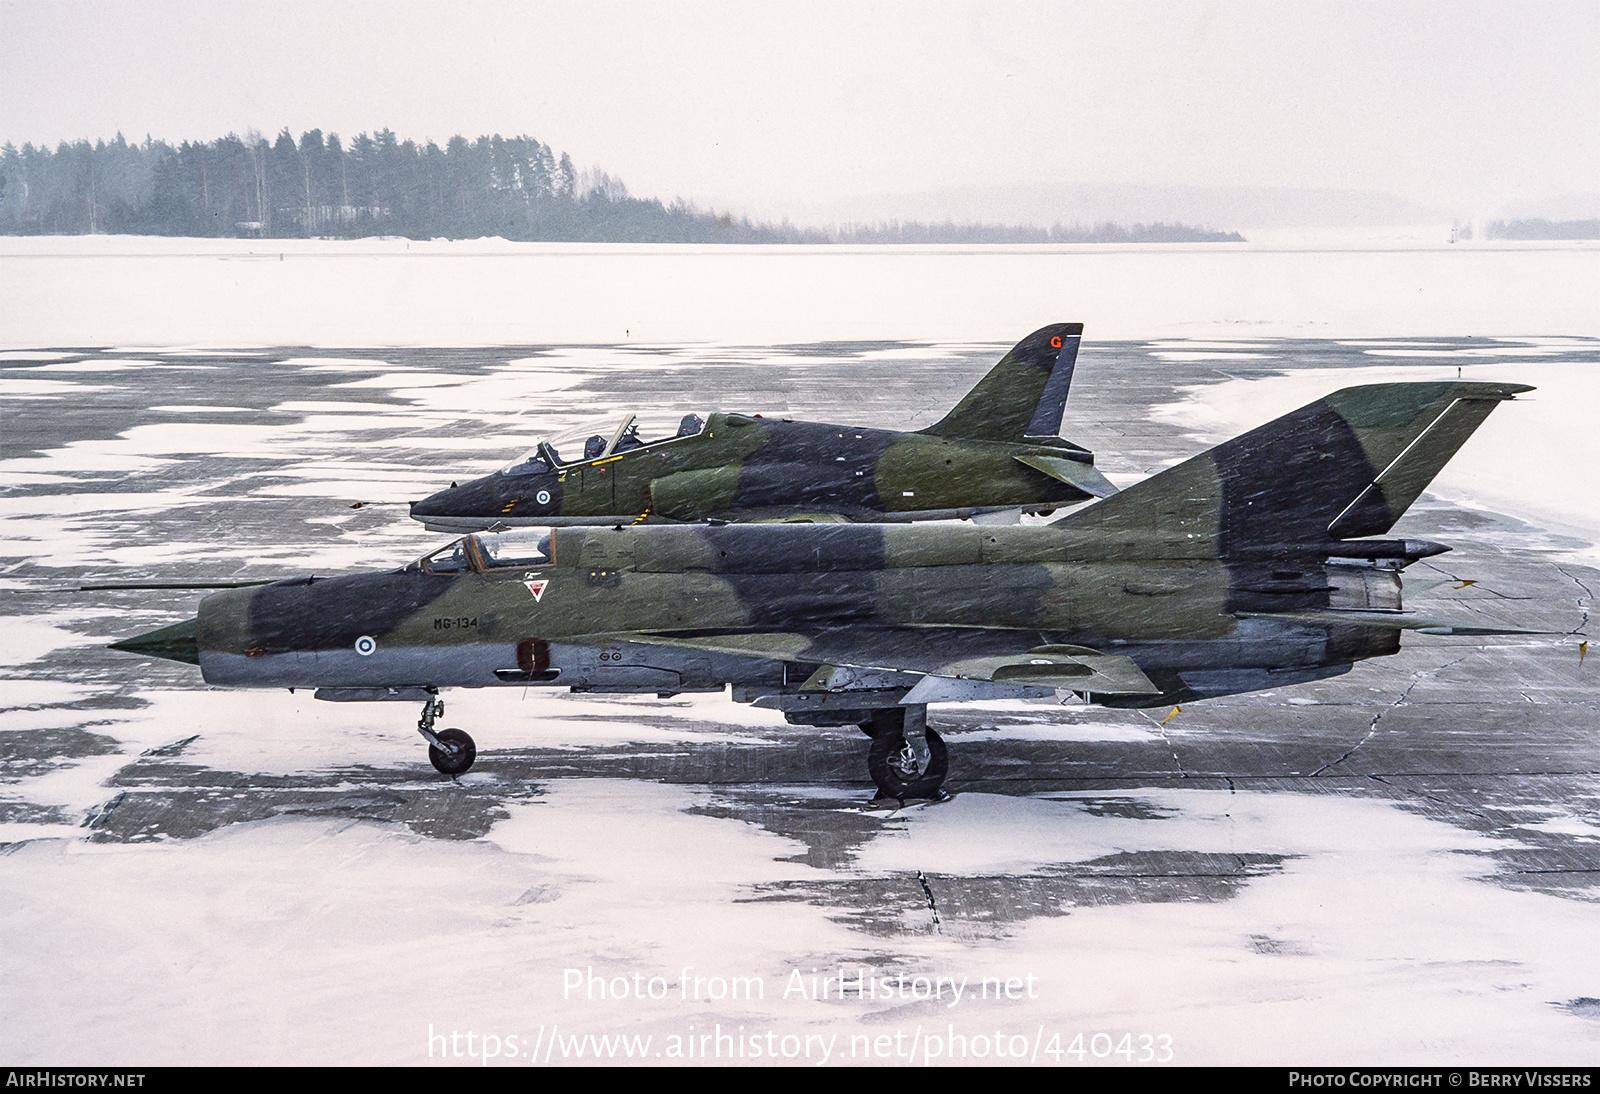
x=998 y=449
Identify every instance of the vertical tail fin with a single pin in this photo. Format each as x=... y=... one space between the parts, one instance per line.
x=1347 y=465
x=1024 y=395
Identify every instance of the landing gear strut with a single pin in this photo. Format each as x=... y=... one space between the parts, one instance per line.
x=907 y=759
x=451 y=751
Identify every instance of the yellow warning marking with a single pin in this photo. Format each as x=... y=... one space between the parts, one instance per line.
x=608 y=459
x=1171 y=716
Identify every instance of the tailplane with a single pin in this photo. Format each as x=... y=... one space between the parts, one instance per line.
x=1347 y=465
x=1021 y=397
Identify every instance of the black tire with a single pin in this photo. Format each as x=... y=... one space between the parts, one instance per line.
x=460 y=755
x=894 y=779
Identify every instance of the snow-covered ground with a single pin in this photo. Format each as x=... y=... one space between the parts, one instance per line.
x=299 y=941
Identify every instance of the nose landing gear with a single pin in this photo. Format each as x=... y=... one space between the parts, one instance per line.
x=451 y=751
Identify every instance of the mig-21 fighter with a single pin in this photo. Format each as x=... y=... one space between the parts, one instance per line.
x=1260 y=563
x=998 y=450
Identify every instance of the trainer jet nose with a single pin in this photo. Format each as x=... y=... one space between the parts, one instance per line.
x=435 y=504
x=519 y=494
x=467 y=507
x=175 y=643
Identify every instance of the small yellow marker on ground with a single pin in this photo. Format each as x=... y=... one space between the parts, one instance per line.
x=1583 y=651
x=1467 y=581
x=1171 y=716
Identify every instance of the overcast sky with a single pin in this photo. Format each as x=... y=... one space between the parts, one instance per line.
x=772 y=108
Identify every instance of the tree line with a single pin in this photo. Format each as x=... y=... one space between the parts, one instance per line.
x=951 y=232
x=318 y=186
x=1540 y=228
x=515 y=187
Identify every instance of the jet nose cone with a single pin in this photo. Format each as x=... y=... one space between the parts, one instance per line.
x=478 y=498
x=465 y=507
x=179 y=642
x=438 y=504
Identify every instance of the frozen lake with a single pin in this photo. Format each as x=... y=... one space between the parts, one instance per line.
x=134 y=291
x=1395 y=866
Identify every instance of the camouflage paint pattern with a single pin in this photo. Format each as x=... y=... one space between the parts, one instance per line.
x=998 y=449
x=1246 y=566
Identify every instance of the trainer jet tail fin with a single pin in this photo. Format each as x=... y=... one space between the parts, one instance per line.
x=1347 y=465
x=1024 y=395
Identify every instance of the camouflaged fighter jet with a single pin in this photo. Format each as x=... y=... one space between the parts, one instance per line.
x=997 y=450
x=1260 y=563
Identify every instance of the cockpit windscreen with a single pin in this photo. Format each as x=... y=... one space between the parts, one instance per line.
x=598 y=438
x=519 y=547
x=448 y=560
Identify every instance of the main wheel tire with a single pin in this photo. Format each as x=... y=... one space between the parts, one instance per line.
x=461 y=753
x=897 y=774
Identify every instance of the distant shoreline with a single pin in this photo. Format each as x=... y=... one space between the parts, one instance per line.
x=515 y=188
x=1538 y=228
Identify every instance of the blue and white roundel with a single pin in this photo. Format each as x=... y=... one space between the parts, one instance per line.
x=366 y=645
x=542 y=497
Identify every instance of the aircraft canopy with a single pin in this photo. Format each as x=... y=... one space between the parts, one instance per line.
x=600 y=438
x=518 y=548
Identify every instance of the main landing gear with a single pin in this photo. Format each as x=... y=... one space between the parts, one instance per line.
x=449 y=750
x=908 y=758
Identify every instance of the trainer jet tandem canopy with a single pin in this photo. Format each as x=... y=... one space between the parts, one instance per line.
x=1261 y=563
x=997 y=450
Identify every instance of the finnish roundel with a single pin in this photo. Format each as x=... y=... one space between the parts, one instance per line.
x=542 y=497
x=366 y=645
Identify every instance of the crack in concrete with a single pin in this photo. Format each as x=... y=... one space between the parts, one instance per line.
x=932 y=907
x=1435 y=799
x=1161 y=728
x=1416 y=678
x=1371 y=729
x=1583 y=612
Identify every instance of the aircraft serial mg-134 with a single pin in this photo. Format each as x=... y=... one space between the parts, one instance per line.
x=998 y=451
x=1260 y=563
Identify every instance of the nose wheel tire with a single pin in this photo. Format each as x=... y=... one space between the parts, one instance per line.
x=900 y=772
x=457 y=754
